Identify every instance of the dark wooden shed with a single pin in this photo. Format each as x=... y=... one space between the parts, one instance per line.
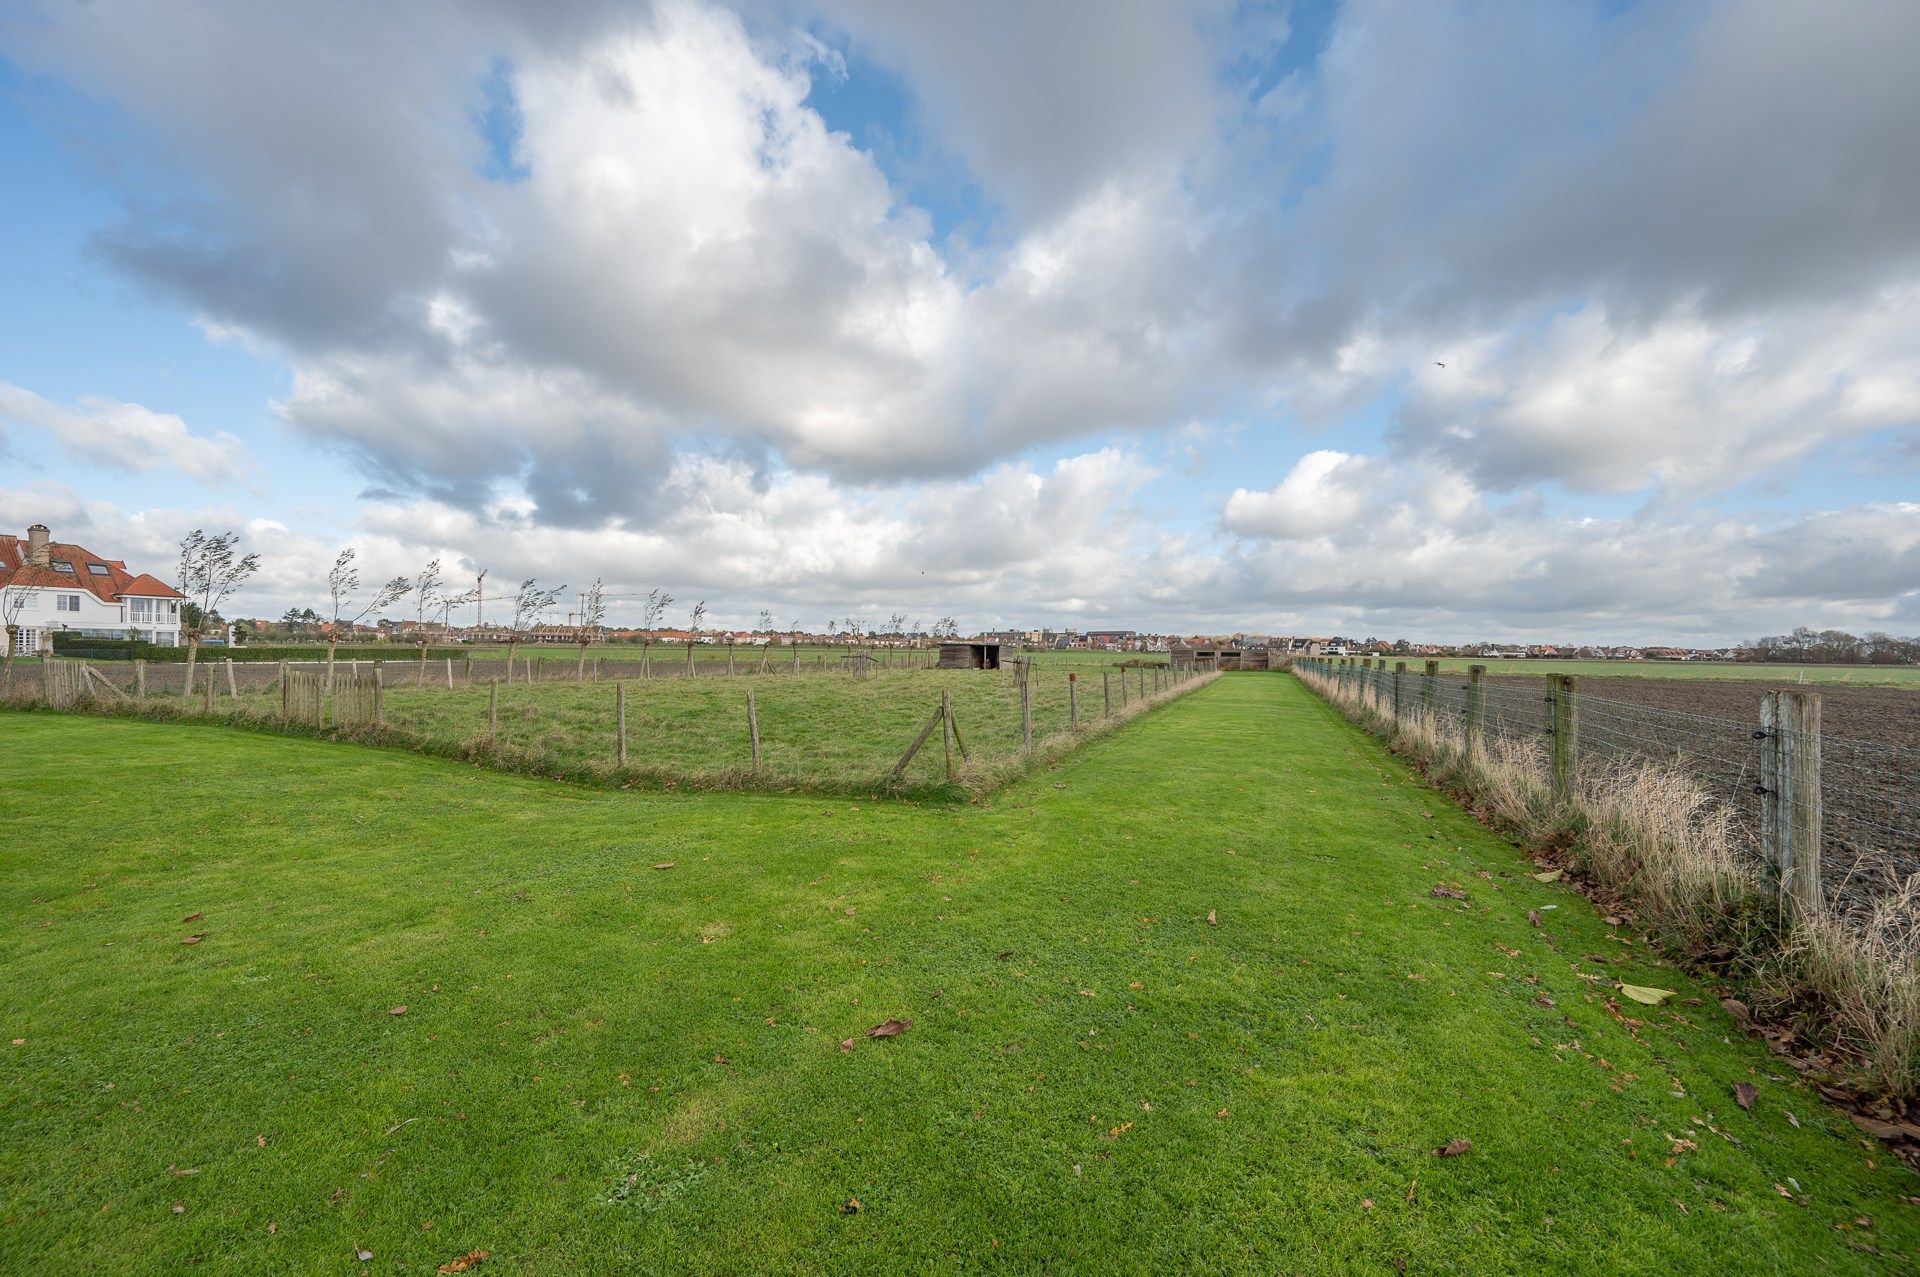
x=969 y=656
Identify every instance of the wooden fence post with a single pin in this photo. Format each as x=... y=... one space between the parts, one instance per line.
x=1790 y=800
x=1427 y=688
x=620 y=722
x=1564 y=728
x=753 y=720
x=1073 y=702
x=1476 y=707
x=1399 y=688
x=946 y=728
x=207 y=693
x=466 y=669
x=1106 y=693
x=493 y=710
x=1026 y=711
x=140 y=677
x=449 y=673
x=379 y=687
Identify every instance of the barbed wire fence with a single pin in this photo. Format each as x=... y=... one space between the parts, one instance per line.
x=1828 y=821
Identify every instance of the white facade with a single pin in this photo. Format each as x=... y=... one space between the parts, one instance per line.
x=46 y=587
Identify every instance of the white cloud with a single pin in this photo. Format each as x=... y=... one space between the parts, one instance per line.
x=122 y=436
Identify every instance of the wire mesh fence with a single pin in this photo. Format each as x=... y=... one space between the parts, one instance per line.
x=1854 y=804
x=854 y=724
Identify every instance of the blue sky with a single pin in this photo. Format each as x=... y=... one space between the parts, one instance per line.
x=1074 y=314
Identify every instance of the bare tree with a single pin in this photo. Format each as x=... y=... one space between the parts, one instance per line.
x=209 y=572
x=12 y=603
x=528 y=604
x=343 y=584
x=426 y=593
x=651 y=613
x=946 y=627
x=593 y=610
x=693 y=630
x=766 y=622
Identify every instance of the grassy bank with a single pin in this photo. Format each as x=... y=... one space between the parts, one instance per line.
x=1168 y=1015
x=1907 y=676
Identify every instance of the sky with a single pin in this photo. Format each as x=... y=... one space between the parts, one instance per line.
x=1568 y=322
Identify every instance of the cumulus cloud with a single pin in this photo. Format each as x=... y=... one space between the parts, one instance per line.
x=122 y=436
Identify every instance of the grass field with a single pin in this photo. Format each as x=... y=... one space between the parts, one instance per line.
x=1907 y=676
x=1184 y=1003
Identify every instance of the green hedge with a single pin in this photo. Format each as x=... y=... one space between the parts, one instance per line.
x=99 y=649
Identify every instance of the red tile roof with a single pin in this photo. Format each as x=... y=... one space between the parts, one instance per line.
x=108 y=586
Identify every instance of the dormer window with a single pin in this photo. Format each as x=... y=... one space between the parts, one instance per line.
x=61 y=565
x=99 y=569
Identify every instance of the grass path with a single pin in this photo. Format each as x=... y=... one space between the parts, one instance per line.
x=1130 y=1089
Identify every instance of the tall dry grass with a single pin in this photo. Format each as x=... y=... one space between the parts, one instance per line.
x=1655 y=836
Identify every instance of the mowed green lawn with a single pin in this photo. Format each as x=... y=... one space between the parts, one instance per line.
x=1184 y=1003
x=1907 y=676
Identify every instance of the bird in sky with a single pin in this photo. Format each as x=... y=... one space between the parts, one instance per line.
x=1438 y=364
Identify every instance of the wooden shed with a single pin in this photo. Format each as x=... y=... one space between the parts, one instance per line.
x=969 y=656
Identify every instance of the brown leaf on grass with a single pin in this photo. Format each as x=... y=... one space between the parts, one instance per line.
x=1410 y=1188
x=846 y=1044
x=362 y=1254
x=889 y=1028
x=1453 y=1148
x=665 y=864
x=1366 y=1203
x=1533 y=917
x=399 y=1010
x=1551 y=875
x=463 y=1263
x=1737 y=1009
x=1613 y=920
x=1544 y=1001
x=193 y=940
x=1212 y=921
x=1745 y=1093
x=1003 y=955
x=721 y=1059
x=1443 y=890
x=193 y=917
x=850 y=1207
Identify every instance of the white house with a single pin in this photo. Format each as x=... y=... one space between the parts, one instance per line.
x=47 y=586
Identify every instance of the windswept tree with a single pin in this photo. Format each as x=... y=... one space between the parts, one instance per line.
x=426 y=595
x=12 y=604
x=528 y=604
x=694 y=622
x=946 y=627
x=210 y=571
x=766 y=623
x=593 y=610
x=349 y=609
x=652 y=611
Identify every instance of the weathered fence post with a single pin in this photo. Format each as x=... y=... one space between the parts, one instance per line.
x=1564 y=728
x=753 y=728
x=1106 y=693
x=1431 y=680
x=1399 y=689
x=1123 y=687
x=1073 y=702
x=1790 y=798
x=466 y=669
x=946 y=728
x=140 y=677
x=1026 y=710
x=449 y=673
x=1476 y=720
x=233 y=689
x=620 y=722
x=493 y=710
x=207 y=693
x=379 y=688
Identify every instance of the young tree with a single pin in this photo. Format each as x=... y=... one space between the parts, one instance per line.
x=528 y=604
x=343 y=583
x=426 y=593
x=766 y=623
x=651 y=613
x=693 y=630
x=12 y=604
x=210 y=571
x=593 y=610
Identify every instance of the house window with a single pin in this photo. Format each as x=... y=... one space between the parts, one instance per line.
x=98 y=569
x=61 y=565
x=66 y=602
x=142 y=609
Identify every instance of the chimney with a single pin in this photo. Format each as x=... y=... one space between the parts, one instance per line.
x=39 y=549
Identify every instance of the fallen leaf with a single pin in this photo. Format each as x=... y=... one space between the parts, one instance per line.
x=892 y=1028
x=850 y=1207
x=193 y=917
x=261 y=1140
x=721 y=1059
x=1451 y=893
x=1410 y=1189
x=1612 y=920
x=1745 y=1093
x=178 y=1208
x=1135 y=984
x=1211 y=920
x=1544 y=1001
x=399 y=1010
x=463 y=1263
x=1737 y=1009
x=665 y=864
x=362 y=1254
x=1221 y=1113
x=1366 y=1203
x=1646 y=996
x=1552 y=875
x=1533 y=917
x=1453 y=1148
x=193 y=940
x=1792 y=1121
x=1003 y=955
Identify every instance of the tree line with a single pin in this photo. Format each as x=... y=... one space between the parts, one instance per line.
x=1833 y=647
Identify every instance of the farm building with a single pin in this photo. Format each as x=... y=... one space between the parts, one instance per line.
x=970 y=656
